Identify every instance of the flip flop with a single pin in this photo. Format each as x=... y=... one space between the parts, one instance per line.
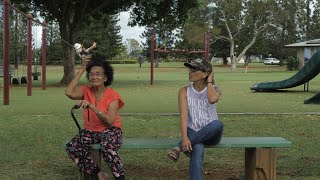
x=174 y=154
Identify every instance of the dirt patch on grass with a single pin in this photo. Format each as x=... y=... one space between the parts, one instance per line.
x=137 y=172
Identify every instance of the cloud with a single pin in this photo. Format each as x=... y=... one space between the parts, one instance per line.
x=37 y=36
x=128 y=32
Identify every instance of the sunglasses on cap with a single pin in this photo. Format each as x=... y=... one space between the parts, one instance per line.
x=195 y=69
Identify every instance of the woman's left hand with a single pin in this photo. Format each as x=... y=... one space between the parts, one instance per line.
x=186 y=145
x=84 y=104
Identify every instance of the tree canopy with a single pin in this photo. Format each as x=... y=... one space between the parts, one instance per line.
x=238 y=27
x=70 y=16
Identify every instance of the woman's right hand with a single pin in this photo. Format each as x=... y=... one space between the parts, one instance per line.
x=211 y=76
x=186 y=145
x=84 y=104
x=86 y=59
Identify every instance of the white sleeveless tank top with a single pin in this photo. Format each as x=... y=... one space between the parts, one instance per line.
x=200 y=111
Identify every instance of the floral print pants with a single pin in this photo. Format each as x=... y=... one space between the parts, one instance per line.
x=110 y=140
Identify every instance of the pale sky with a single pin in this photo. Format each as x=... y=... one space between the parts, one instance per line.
x=37 y=35
x=128 y=32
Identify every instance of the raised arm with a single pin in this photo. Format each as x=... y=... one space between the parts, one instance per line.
x=73 y=91
x=213 y=91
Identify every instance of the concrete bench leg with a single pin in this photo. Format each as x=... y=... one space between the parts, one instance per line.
x=260 y=163
x=96 y=155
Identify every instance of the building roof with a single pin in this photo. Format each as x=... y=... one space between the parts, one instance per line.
x=311 y=43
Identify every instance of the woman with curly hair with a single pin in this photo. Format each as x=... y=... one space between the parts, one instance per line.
x=101 y=105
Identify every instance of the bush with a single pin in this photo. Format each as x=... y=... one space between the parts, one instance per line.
x=292 y=63
x=123 y=61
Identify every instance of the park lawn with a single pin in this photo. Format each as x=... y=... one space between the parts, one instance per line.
x=32 y=146
x=33 y=128
x=133 y=83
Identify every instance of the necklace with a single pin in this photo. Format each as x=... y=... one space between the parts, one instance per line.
x=98 y=96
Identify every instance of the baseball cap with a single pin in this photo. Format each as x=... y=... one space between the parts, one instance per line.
x=200 y=64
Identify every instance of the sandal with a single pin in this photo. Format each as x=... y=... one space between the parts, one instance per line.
x=174 y=154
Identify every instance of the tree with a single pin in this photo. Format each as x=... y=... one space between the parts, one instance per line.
x=102 y=29
x=170 y=13
x=123 y=52
x=259 y=48
x=54 y=44
x=160 y=17
x=308 y=5
x=237 y=14
x=134 y=48
x=18 y=46
x=285 y=29
x=70 y=15
x=315 y=22
x=198 y=22
x=18 y=37
x=196 y=25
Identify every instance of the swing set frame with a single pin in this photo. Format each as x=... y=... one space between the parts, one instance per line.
x=205 y=51
x=6 y=50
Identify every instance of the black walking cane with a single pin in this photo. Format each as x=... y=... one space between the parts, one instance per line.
x=81 y=143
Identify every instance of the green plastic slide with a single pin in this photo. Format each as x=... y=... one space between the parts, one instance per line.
x=313 y=100
x=310 y=70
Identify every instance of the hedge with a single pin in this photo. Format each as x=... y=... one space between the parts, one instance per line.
x=124 y=61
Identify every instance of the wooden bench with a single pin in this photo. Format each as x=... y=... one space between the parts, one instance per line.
x=260 y=152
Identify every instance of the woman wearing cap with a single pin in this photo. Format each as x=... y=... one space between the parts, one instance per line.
x=101 y=105
x=198 y=116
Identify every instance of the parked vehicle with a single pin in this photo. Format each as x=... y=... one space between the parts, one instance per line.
x=271 y=61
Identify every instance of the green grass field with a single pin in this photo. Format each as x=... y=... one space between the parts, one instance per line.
x=33 y=128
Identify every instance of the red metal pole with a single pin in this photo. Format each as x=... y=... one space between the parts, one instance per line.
x=152 y=57
x=29 y=53
x=44 y=55
x=6 y=51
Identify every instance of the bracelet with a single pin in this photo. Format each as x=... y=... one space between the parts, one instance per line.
x=209 y=82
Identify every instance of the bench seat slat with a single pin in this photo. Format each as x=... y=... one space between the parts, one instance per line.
x=226 y=142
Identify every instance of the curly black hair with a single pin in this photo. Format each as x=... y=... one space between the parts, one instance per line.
x=98 y=60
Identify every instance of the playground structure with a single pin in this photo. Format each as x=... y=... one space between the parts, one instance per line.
x=310 y=70
x=162 y=49
x=6 y=51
